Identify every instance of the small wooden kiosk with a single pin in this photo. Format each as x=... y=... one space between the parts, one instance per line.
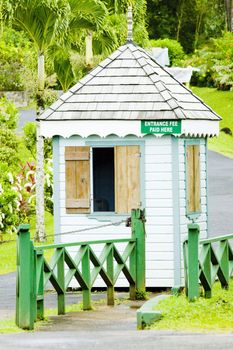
x=129 y=135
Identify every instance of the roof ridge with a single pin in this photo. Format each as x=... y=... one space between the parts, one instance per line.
x=165 y=88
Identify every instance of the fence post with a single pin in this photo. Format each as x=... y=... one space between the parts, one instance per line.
x=25 y=298
x=39 y=284
x=193 y=261
x=61 y=280
x=110 y=272
x=138 y=232
x=86 y=272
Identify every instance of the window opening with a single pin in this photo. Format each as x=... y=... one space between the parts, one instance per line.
x=103 y=179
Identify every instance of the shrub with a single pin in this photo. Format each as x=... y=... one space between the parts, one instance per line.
x=8 y=201
x=29 y=138
x=215 y=63
x=25 y=185
x=17 y=60
x=175 y=50
x=8 y=114
x=8 y=147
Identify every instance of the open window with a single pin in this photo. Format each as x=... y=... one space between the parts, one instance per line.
x=193 y=190
x=115 y=179
x=103 y=179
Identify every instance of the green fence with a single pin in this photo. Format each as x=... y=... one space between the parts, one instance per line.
x=34 y=271
x=205 y=261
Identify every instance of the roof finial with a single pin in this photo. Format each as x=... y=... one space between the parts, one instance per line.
x=130 y=24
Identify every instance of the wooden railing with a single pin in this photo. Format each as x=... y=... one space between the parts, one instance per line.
x=34 y=271
x=205 y=261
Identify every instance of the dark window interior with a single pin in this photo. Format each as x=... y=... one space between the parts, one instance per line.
x=103 y=179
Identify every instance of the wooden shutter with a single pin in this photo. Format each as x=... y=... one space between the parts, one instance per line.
x=193 y=178
x=77 y=173
x=127 y=178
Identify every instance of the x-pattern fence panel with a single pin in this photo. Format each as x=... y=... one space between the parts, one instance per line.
x=85 y=267
x=34 y=271
x=205 y=261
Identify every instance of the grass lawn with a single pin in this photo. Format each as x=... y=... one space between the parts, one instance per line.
x=8 y=250
x=222 y=103
x=214 y=314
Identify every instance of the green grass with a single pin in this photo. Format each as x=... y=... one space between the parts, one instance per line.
x=8 y=250
x=202 y=315
x=9 y=326
x=222 y=103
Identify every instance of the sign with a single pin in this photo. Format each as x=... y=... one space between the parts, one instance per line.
x=161 y=126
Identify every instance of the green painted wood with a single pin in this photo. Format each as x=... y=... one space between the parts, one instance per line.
x=25 y=265
x=216 y=239
x=35 y=271
x=61 y=278
x=132 y=268
x=87 y=277
x=40 y=285
x=138 y=232
x=110 y=272
x=74 y=244
x=210 y=258
x=193 y=264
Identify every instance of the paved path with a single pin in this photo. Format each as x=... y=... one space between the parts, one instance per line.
x=110 y=328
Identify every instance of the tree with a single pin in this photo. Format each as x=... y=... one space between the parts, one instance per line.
x=229 y=13
x=191 y=22
x=48 y=22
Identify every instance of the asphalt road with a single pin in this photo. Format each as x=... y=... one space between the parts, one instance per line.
x=117 y=340
x=220 y=188
x=25 y=116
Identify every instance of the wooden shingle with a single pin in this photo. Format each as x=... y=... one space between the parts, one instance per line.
x=129 y=84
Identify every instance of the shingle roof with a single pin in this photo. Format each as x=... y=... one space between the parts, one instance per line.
x=129 y=84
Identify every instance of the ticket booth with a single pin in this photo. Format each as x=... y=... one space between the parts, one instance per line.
x=128 y=135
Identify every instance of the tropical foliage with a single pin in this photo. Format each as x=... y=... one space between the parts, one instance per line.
x=17 y=180
x=17 y=61
x=215 y=63
x=191 y=22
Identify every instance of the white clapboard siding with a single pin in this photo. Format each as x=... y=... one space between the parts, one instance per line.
x=158 y=198
x=159 y=213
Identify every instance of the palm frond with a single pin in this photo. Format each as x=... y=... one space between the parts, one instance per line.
x=94 y=10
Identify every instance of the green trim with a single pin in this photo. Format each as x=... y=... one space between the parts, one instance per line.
x=193 y=215
x=176 y=212
x=216 y=239
x=74 y=244
x=102 y=216
x=56 y=187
